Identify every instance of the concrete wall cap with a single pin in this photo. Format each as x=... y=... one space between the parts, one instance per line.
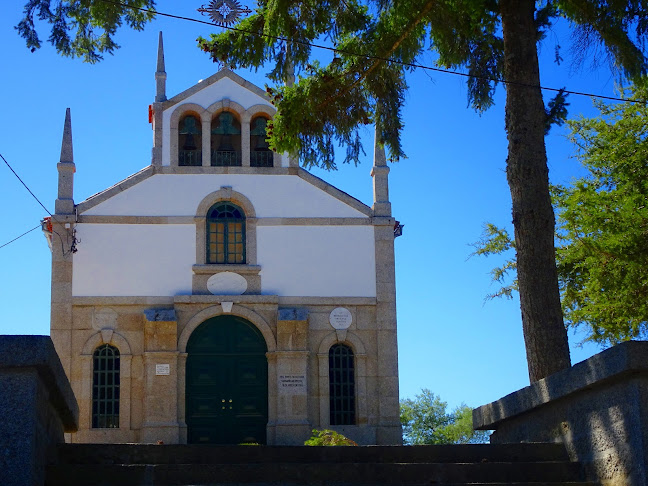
x=613 y=363
x=38 y=352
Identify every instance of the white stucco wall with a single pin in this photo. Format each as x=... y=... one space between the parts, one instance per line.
x=282 y=196
x=323 y=261
x=221 y=89
x=138 y=260
x=156 y=260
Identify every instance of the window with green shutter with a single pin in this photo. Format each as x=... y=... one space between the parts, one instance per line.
x=225 y=234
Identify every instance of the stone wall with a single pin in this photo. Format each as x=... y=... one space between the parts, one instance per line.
x=37 y=406
x=598 y=408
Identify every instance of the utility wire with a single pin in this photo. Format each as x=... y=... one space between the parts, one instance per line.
x=18 y=237
x=375 y=58
x=72 y=248
x=23 y=183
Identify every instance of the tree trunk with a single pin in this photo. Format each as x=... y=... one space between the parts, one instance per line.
x=545 y=335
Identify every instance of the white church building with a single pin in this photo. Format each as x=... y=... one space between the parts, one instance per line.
x=223 y=294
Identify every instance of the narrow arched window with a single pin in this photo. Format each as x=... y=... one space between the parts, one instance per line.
x=225 y=234
x=225 y=140
x=260 y=153
x=190 y=141
x=105 y=387
x=341 y=385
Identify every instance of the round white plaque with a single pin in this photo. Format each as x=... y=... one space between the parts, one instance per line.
x=227 y=283
x=340 y=318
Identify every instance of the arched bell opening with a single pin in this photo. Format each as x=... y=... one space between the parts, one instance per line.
x=190 y=141
x=225 y=140
x=260 y=153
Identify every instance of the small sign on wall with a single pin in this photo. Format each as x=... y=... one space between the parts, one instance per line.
x=292 y=383
x=162 y=369
x=340 y=318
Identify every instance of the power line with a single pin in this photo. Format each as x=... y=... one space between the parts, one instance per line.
x=377 y=58
x=18 y=237
x=23 y=183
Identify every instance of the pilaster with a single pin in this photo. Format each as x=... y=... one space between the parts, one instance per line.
x=161 y=378
x=292 y=426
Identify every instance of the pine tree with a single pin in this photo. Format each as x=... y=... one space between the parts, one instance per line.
x=492 y=40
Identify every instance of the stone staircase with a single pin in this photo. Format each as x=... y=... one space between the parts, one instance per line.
x=201 y=465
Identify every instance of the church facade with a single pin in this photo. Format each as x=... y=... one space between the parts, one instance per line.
x=223 y=294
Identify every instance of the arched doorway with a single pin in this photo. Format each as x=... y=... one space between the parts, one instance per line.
x=226 y=383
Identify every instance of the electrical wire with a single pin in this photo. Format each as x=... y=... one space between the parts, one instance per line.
x=74 y=239
x=18 y=237
x=377 y=58
x=23 y=183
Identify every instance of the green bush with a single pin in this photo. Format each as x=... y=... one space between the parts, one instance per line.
x=328 y=438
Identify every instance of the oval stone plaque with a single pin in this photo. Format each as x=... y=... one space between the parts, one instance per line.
x=227 y=283
x=340 y=318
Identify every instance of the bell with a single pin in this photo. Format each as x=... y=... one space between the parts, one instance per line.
x=189 y=143
x=226 y=144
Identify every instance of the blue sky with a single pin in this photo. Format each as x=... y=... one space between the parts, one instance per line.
x=453 y=181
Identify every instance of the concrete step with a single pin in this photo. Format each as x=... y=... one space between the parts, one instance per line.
x=205 y=454
x=312 y=474
x=201 y=465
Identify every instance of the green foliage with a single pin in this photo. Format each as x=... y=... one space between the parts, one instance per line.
x=328 y=103
x=602 y=230
x=425 y=420
x=82 y=28
x=328 y=438
x=603 y=225
x=497 y=241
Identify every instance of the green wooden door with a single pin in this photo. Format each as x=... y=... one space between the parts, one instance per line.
x=227 y=383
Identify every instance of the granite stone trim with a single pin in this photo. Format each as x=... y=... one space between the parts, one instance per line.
x=174 y=130
x=226 y=193
x=217 y=299
x=212 y=268
x=223 y=73
x=335 y=192
x=121 y=300
x=105 y=219
x=202 y=299
x=121 y=186
x=237 y=310
x=360 y=357
x=171 y=170
x=97 y=339
x=125 y=376
x=314 y=221
x=626 y=358
x=328 y=301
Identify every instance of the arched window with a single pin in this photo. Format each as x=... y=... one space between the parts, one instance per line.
x=341 y=385
x=190 y=141
x=225 y=140
x=260 y=153
x=225 y=234
x=105 y=387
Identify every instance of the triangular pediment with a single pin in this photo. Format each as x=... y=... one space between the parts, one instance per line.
x=205 y=84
